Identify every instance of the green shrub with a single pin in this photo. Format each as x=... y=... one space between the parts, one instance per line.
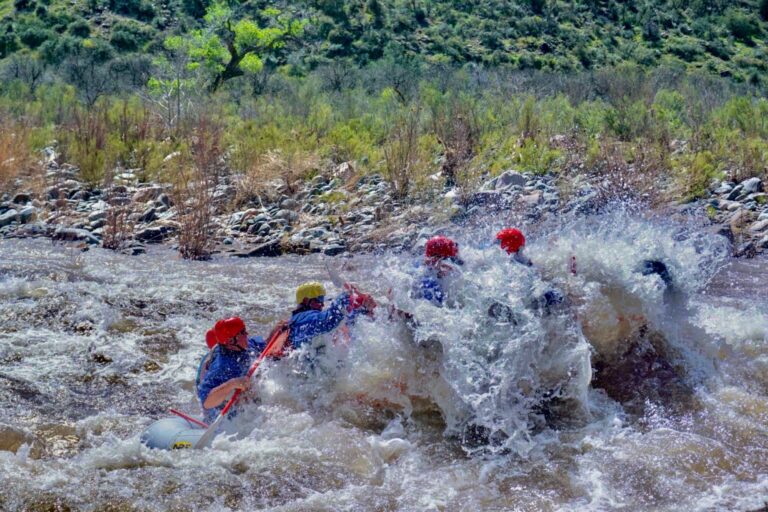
x=129 y=36
x=142 y=10
x=538 y=157
x=628 y=120
x=699 y=171
x=743 y=27
x=669 y=110
x=8 y=43
x=34 y=36
x=24 y=5
x=79 y=28
x=687 y=48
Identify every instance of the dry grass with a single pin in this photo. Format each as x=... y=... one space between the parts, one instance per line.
x=401 y=152
x=272 y=168
x=18 y=166
x=206 y=144
x=192 y=193
x=458 y=131
x=86 y=143
x=118 y=229
x=627 y=172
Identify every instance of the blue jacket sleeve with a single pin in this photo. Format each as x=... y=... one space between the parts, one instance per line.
x=309 y=324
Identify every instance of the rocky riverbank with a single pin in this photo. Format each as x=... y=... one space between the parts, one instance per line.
x=339 y=212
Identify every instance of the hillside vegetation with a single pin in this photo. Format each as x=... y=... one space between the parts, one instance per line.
x=663 y=96
x=720 y=36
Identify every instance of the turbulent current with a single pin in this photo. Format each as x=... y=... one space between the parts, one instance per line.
x=637 y=391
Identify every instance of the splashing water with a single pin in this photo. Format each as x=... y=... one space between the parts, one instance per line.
x=628 y=395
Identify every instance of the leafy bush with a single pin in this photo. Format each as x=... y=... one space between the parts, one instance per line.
x=536 y=156
x=698 y=173
x=84 y=143
x=79 y=28
x=743 y=27
x=129 y=36
x=140 y=9
x=688 y=49
x=627 y=120
x=33 y=36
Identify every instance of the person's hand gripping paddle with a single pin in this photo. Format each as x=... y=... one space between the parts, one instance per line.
x=274 y=347
x=357 y=299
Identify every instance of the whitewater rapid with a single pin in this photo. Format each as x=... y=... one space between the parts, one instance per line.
x=631 y=396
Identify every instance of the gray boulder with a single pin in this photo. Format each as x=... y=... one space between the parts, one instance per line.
x=96 y=224
x=147 y=194
x=747 y=250
x=148 y=216
x=735 y=193
x=80 y=195
x=96 y=216
x=287 y=215
x=334 y=249
x=164 y=200
x=153 y=235
x=724 y=188
x=752 y=185
x=75 y=235
x=759 y=226
x=270 y=248
x=8 y=217
x=27 y=214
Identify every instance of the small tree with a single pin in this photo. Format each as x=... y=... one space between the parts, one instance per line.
x=26 y=68
x=172 y=88
x=87 y=70
x=231 y=45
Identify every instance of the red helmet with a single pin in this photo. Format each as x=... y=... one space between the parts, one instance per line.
x=512 y=239
x=227 y=329
x=210 y=339
x=441 y=247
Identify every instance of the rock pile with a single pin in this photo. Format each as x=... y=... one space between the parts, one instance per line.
x=332 y=214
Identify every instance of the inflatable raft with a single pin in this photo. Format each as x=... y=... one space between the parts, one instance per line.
x=173 y=433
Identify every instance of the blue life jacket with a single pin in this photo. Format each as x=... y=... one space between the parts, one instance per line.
x=224 y=365
x=306 y=324
x=429 y=288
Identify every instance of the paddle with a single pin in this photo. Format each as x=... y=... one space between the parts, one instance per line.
x=206 y=438
x=189 y=418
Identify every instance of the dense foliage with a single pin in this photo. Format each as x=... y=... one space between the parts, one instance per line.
x=723 y=37
x=281 y=89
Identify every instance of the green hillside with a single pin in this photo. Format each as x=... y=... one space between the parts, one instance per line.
x=726 y=38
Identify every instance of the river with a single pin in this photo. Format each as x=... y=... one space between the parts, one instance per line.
x=629 y=396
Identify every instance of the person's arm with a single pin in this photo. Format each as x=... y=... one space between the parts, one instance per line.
x=320 y=322
x=220 y=393
x=522 y=258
